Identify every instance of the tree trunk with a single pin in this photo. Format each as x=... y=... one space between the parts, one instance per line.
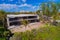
x=3 y=22
x=2 y=26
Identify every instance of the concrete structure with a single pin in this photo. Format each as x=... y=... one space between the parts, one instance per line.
x=15 y=20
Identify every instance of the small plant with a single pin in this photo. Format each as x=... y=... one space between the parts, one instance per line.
x=25 y=22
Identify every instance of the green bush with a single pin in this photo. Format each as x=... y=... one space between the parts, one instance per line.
x=45 y=33
x=3 y=33
x=2 y=38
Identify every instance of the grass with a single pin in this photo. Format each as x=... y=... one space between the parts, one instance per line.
x=2 y=38
x=49 y=32
x=2 y=30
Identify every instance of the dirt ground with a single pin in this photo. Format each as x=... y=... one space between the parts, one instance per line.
x=29 y=27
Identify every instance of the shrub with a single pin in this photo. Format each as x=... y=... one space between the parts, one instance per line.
x=45 y=33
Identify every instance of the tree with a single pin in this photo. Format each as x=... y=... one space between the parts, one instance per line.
x=2 y=28
x=2 y=16
x=54 y=11
x=45 y=12
x=43 y=8
x=50 y=10
x=38 y=13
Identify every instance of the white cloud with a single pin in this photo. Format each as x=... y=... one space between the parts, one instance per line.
x=24 y=11
x=27 y=5
x=16 y=7
x=22 y=5
x=24 y=0
x=8 y=6
x=34 y=7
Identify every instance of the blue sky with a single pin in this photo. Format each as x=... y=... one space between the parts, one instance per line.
x=22 y=5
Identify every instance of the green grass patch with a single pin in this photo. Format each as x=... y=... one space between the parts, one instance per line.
x=49 y=32
x=3 y=38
